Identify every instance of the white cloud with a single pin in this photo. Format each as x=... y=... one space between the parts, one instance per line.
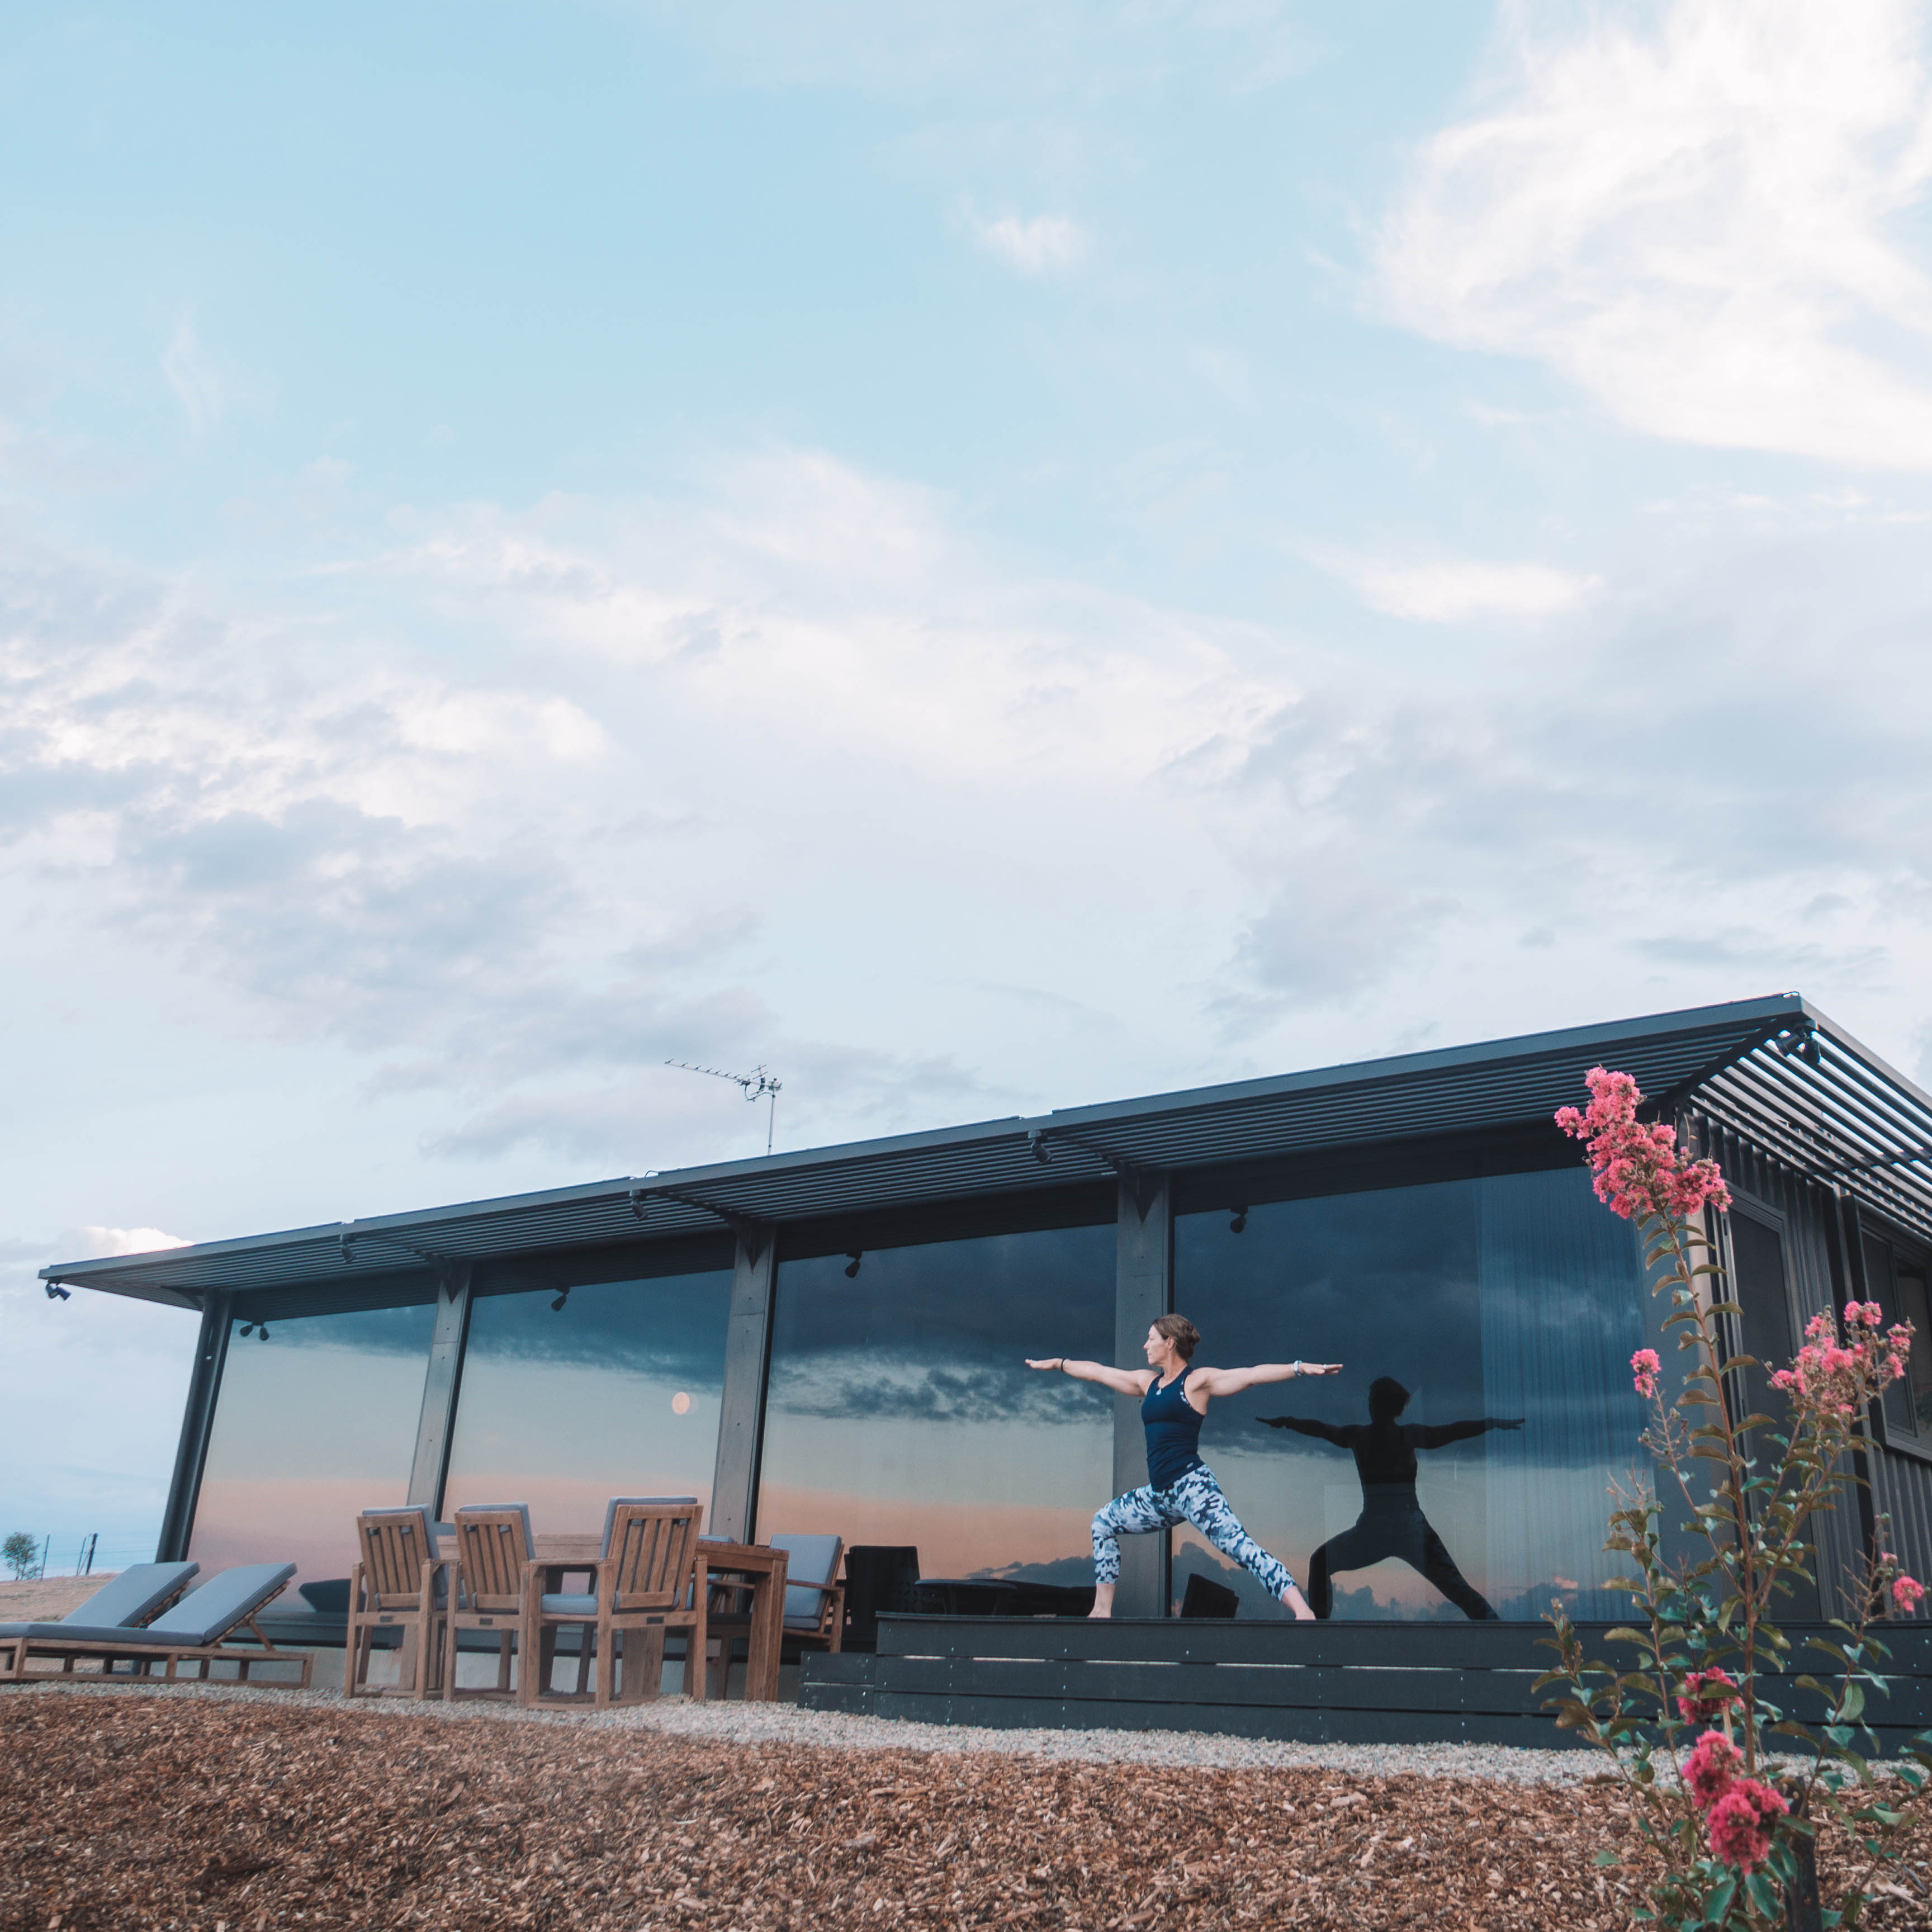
x=204 y=390
x=1040 y=245
x=809 y=589
x=1705 y=222
x=95 y=1244
x=1461 y=590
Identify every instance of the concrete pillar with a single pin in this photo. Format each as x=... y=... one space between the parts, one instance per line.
x=1143 y=1289
x=741 y=1425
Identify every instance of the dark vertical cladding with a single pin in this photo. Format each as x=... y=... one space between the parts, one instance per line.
x=1901 y=1481
x=204 y=1385
x=1826 y=1242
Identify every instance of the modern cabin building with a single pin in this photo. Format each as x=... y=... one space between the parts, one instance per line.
x=831 y=1340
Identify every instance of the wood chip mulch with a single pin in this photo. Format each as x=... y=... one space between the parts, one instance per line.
x=137 y=1811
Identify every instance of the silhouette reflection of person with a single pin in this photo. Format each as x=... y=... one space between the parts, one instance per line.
x=1391 y=1523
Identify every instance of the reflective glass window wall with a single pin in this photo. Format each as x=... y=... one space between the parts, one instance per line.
x=900 y=1410
x=612 y=1388
x=1460 y=1462
x=316 y=1420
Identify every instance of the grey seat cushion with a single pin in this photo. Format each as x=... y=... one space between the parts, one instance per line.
x=119 y=1602
x=204 y=1617
x=571 y=1604
x=521 y=1509
x=811 y=1559
x=617 y=1502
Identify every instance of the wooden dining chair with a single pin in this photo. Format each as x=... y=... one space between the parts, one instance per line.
x=815 y=1604
x=401 y=1582
x=644 y=1586
x=494 y=1552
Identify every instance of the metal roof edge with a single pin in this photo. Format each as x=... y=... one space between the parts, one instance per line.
x=1521 y=1046
x=1859 y=1051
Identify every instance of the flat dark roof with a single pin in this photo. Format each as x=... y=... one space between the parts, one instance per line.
x=1774 y=1068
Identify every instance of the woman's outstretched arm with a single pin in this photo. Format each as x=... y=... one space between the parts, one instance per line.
x=1231 y=1382
x=1122 y=1382
x=1304 y=1425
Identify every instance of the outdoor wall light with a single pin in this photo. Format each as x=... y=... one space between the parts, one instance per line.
x=57 y=1293
x=1801 y=1046
x=261 y=1331
x=1036 y=1144
x=556 y=1307
x=253 y=1328
x=247 y=1328
x=853 y=1256
x=1239 y=1224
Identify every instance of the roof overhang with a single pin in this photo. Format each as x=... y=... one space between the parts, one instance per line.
x=1774 y=1068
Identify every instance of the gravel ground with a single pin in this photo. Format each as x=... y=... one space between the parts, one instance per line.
x=739 y=1722
x=226 y=1810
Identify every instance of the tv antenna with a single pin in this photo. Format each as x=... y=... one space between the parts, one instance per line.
x=758 y=1085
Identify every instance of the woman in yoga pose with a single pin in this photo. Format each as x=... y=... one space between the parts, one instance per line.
x=1180 y=1488
x=1391 y=1523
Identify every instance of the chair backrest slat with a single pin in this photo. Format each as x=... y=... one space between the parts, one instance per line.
x=395 y=1544
x=493 y=1543
x=654 y=1546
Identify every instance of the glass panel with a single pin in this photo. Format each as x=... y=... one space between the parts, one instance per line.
x=312 y=1426
x=1517 y=1298
x=900 y=1410
x=615 y=1394
x=1901 y=1415
x=1758 y=1287
x=1913 y=1307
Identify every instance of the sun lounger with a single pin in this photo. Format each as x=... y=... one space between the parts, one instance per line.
x=195 y=1631
x=123 y=1602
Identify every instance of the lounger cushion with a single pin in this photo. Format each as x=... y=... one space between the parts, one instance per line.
x=570 y=1604
x=811 y=1559
x=617 y=1502
x=203 y=1618
x=120 y=1601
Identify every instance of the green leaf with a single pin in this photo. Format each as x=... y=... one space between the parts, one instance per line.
x=1717 y=1900
x=1603 y=1859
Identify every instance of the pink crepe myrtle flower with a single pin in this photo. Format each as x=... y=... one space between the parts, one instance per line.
x=1636 y=1168
x=1740 y=1823
x=1646 y=1362
x=1705 y=1694
x=1907 y=1593
x=1868 y=1312
x=1711 y=1769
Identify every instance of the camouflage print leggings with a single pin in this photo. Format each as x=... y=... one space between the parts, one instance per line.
x=1196 y=1499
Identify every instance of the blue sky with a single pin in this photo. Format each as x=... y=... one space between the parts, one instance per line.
x=987 y=557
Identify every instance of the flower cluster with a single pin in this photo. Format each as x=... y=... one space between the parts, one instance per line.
x=1738 y=1812
x=1706 y=1693
x=1740 y=1823
x=1907 y=1593
x=1839 y=1373
x=1637 y=1169
x=1646 y=1365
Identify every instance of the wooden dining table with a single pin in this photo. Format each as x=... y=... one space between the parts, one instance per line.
x=752 y=1567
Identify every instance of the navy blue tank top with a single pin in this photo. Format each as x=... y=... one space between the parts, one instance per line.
x=1173 y=1431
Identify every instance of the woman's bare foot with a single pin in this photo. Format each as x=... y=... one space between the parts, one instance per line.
x=1298 y=1603
x=1103 y=1600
